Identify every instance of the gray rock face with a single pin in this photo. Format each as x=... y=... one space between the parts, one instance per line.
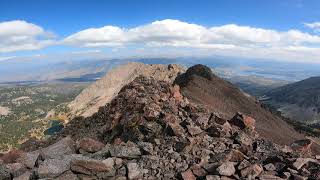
x=125 y=150
x=29 y=159
x=68 y=175
x=92 y=167
x=90 y=145
x=63 y=147
x=16 y=169
x=25 y=176
x=51 y=168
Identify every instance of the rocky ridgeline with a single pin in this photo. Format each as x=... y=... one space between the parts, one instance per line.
x=150 y=131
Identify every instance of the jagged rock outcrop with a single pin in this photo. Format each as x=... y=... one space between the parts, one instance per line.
x=103 y=90
x=151 y=131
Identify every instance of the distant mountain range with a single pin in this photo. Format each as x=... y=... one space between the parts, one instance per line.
x=29 y=70
x=299 y=101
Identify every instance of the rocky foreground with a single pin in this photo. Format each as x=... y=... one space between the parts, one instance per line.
x=150 y=131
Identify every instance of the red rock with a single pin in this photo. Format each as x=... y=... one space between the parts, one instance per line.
x=188 y=175
x=194 y=130
x=226 y=169
x=198 y=170
x=152 y=111
x=90 y=167
x=236 y=156
x=175 y=91
x=252 y=171
x=174 y=127
x=11 y=156
x=90 y=145
x=243 y=121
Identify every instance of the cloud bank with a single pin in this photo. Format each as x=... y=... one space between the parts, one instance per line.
x=315 y=26
x=21 y=35
x=229 y=39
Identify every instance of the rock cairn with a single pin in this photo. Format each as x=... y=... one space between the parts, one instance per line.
x=150 y=131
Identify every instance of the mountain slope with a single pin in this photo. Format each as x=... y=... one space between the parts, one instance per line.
x=299 y=101
x=200 y=85
x=151 y=131
x=103 y=90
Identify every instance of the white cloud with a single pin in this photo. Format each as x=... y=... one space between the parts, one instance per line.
x=105 y=36
x=21 y=35
x=227 y=39
x=188 y=38
x=315 y=26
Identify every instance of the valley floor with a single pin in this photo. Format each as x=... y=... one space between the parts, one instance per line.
x=23 y=109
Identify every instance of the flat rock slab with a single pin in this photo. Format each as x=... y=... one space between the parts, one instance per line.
x=52 y=168
x=63 y=147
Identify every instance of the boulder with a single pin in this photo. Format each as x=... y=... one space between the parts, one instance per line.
x=252 y=171
x=51 y=168
x=146 y=147
x=194 y=130
x=134 y=171
x=127 y=150
x=236 y=156
x=175 y=92
x=198 y=171
x=25 y=176
x=303 y=146
x=29 y=159
x=269 y=167
x=243 y=139
x=226 y=169
x=188 y=175
x=90 y=145
x=91 y=166
x=67 y=176
x=302 y=161
x=63 y=147
x=243 y=121
x=16 y=169
x=173 y=127
x=212 y=177
x=152 y=111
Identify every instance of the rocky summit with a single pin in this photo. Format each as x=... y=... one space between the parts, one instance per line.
x=151 y=131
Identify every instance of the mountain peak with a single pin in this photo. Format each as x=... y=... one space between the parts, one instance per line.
x=200 y=70
x=151 y=131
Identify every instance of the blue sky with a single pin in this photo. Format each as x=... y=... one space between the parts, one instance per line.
x=274 y=29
